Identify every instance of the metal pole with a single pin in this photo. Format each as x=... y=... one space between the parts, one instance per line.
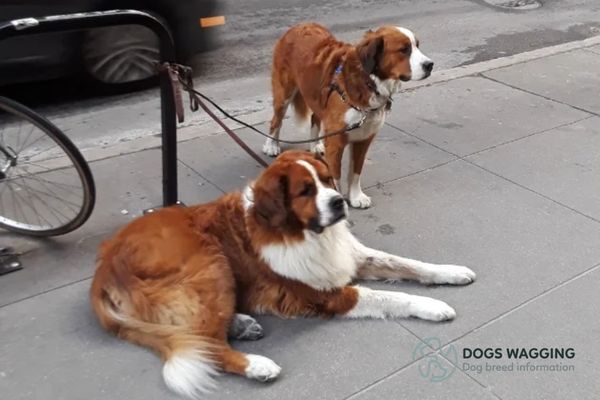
x=169 y=140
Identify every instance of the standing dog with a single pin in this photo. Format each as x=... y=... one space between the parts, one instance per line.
x=341 y=86
x=177 y=280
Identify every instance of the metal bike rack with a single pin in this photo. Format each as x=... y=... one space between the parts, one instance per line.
x=89 y=20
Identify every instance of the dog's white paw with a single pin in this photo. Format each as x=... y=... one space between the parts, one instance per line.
x=271 y=148
x=318 y=148
x=451 y=275
x=261 y=368
x=359 y=200
x=430 y=309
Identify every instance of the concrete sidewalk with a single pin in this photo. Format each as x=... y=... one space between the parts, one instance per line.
x=494 y=166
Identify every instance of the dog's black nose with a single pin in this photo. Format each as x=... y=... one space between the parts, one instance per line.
x=337 y=203
x=428 y=66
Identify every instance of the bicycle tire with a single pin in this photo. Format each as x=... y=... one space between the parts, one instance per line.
x=81 y=166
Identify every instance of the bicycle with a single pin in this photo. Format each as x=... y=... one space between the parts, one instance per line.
x=46 y=186
x=42 y=165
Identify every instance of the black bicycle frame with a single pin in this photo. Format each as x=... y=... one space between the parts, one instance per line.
x=83 y=21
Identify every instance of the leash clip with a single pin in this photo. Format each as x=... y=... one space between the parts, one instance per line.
x=358 y=124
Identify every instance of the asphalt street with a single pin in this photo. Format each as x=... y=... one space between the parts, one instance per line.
x=452 y=33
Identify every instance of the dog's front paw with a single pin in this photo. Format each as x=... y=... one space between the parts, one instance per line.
x=430 y=309
x=359 y=200
x=261 y=368
x=451 y=275
x=271 y=148
x=318 y=148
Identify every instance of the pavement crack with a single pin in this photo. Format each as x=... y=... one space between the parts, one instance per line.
x=526 y=302
x=484 y=386
x=45 y=291
x=203 y=177
x=534 y=191
x=465 y=159
x=483 y=75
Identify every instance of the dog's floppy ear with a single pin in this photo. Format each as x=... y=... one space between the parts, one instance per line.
x=270 y=197
x=369 y=50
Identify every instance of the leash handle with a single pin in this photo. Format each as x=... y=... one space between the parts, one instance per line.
x=173 y=71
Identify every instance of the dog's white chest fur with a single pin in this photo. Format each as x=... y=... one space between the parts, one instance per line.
x=373 y=123
x=322 y=261
x=375 y=119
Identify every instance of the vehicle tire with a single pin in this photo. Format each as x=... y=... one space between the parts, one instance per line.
x=41 y=170
x=121 y=56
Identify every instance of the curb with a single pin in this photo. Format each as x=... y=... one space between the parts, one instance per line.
x=497 y=63
x=209 y=129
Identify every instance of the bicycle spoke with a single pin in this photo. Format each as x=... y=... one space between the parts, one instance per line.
x=55 y=195
x=54 y=210
x=33 y=127
x=38 y=139
x=15 y=203
x=33 y=204
x=36 y=176
x=19 y=135
x=60 y=170
x=32 y=207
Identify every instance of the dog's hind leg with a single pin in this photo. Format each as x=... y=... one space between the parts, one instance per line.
x=284 y=89
x=244 y=327
x=317 y=147
x=251 y=366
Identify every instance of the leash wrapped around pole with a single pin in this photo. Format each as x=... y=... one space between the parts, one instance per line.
x=182 y=77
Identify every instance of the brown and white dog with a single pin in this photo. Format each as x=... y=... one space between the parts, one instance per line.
x=340 y=85
x=183 y=279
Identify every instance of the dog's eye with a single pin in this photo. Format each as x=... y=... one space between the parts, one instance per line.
x=417 y=43
x=307 y=191
x=405 y=49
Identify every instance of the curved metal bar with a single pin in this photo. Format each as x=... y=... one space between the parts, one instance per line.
x=89 y=20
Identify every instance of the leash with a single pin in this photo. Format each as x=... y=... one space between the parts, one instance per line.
x=182 y=78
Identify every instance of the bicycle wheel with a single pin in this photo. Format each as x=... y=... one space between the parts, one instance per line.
x=46 y=186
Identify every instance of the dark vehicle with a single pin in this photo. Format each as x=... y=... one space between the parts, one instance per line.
x=120 y=55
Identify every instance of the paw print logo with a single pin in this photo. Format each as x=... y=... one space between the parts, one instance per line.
x=434 y=366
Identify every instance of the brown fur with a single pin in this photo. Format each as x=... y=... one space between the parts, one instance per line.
x=304 y=62
x=173 y=279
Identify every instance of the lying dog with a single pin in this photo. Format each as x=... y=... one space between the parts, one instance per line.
x=341 y=85
x=177 y=280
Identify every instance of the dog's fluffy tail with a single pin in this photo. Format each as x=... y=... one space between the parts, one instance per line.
x=189 y=368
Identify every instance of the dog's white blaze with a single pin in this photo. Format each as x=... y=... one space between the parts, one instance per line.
x=324 y=195
x=387 y=304
x=417 y=58
x=322 y=261
x=190 y=373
